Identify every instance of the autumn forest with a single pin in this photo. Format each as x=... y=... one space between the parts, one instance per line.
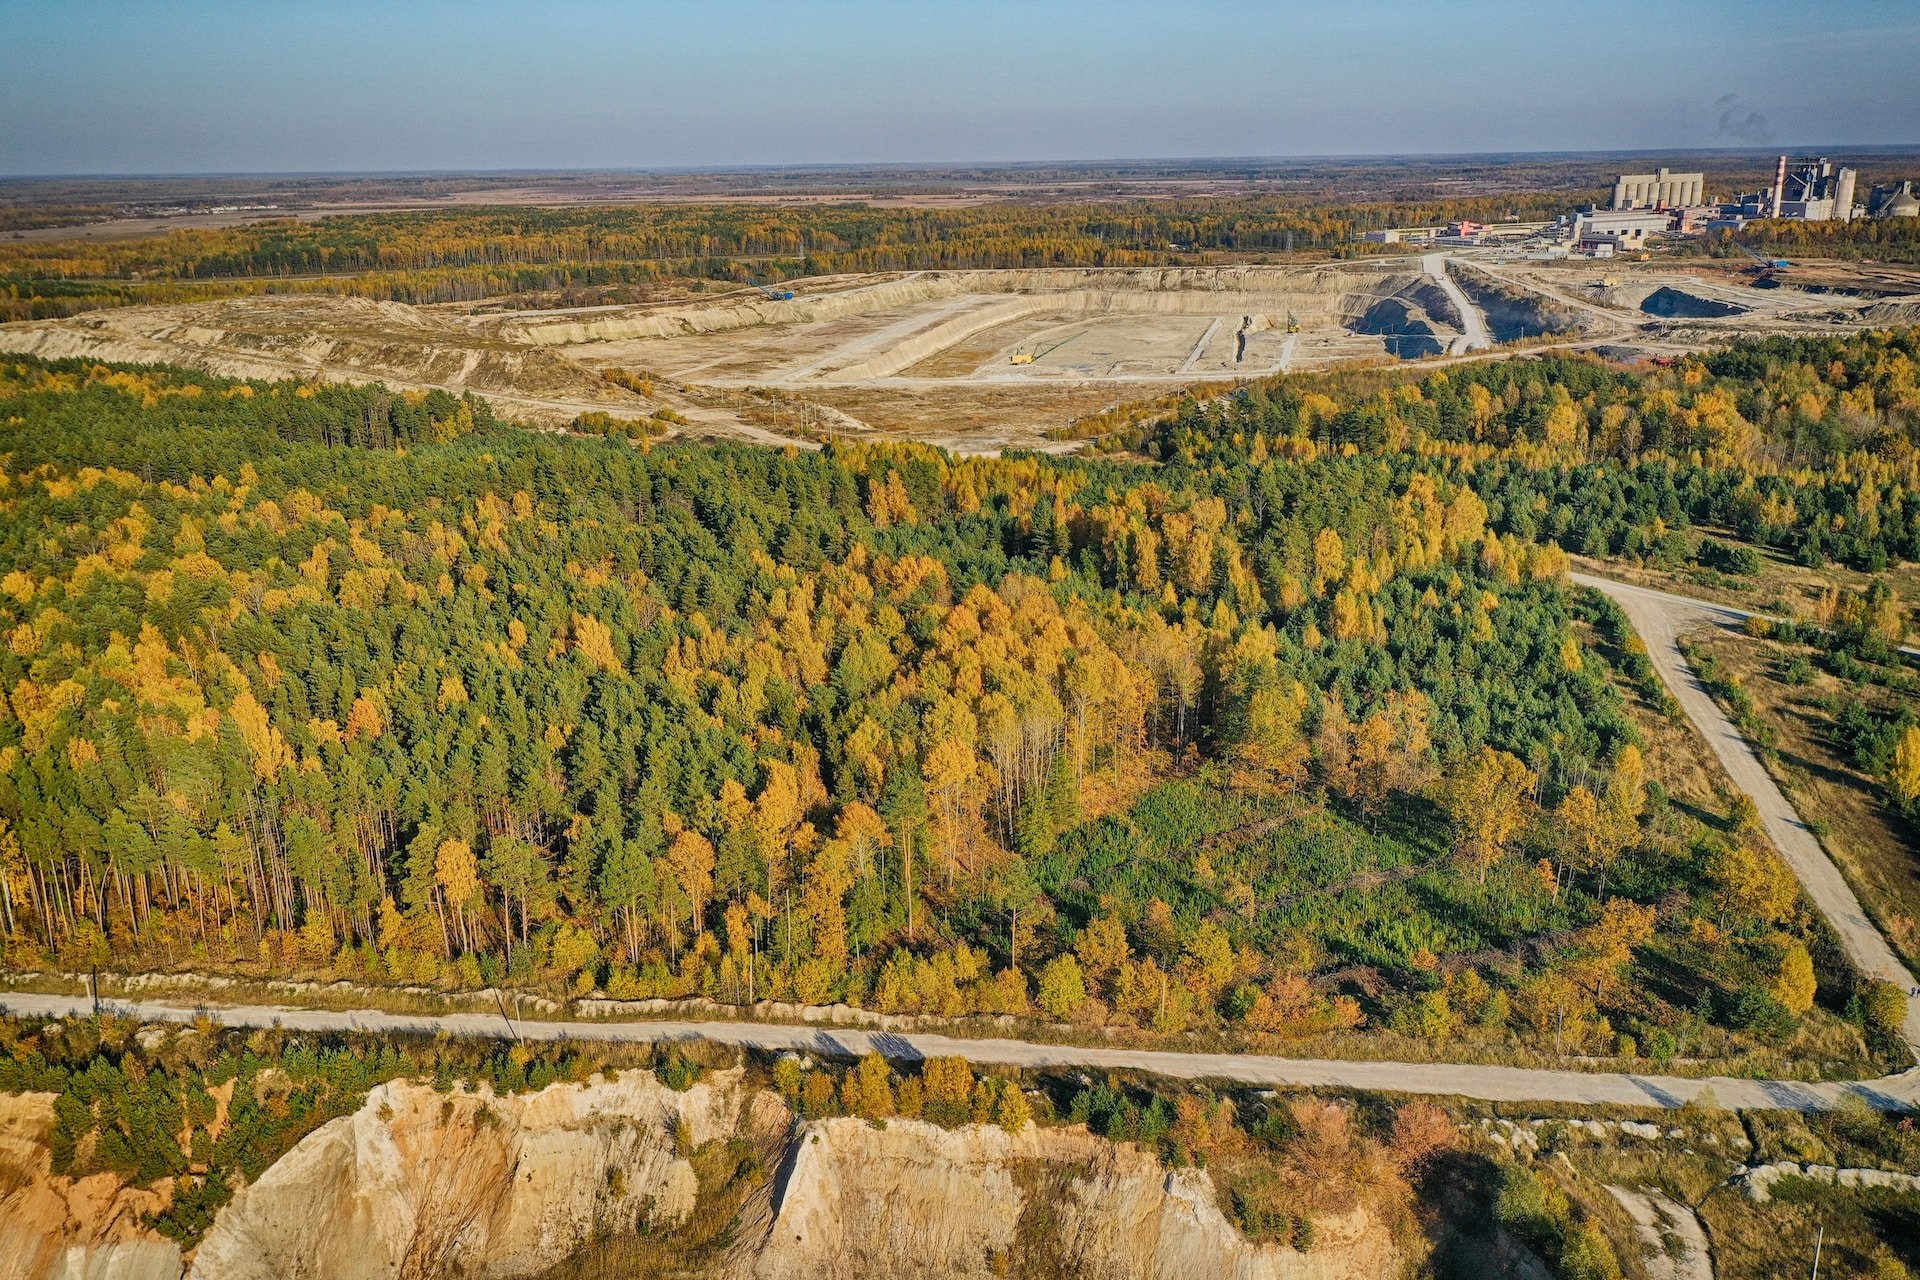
x=1278 y=717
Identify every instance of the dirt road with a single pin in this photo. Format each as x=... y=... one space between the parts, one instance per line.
x=1200 y=346
x=1501 y=1084
x=1285 y=363
x=1661 y=618
x=1474 y=335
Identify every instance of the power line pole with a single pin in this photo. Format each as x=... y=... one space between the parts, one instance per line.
x=502 y=1002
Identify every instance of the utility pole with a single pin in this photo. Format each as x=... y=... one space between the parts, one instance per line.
x=502 y=1002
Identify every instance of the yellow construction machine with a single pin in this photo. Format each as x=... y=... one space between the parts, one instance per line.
x=1028 y=357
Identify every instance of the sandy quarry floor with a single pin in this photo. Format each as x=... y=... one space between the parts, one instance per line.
x=1118 y=326
x=982 y=360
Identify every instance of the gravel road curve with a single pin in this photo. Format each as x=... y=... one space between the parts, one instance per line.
x=1661 y=618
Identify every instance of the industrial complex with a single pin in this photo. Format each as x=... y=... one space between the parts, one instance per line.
x=1809 y=188
x=1661 y=203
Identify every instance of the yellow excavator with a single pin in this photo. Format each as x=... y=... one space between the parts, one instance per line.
x=1293 y=323
x=1028 y=357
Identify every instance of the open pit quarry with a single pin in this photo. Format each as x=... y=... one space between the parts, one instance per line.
x=420 y=1184
x=977 y=361
x=1173 y=324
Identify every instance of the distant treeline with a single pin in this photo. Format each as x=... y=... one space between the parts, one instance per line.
x=1810 y=445
x=465 y=255
x=1886 y=240
x=1871 y=239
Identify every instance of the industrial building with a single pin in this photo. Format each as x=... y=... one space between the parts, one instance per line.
x=1694 y=220
x=1403 y=235
x=1457 y=234
x=1810 y=188
x=1895 y=200
x=1646 y=205
x=1618 y=230
x=1663 y=189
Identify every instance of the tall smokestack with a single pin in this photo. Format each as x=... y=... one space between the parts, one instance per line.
x=1779 y=188
x=1843 y=195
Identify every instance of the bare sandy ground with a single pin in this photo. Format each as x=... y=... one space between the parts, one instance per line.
x=1676 y=1243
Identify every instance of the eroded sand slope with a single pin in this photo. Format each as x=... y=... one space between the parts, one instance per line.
x=421 y=1184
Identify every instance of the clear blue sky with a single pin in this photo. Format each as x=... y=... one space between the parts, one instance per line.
x=156 y=86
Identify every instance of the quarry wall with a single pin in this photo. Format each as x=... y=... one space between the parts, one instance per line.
x=1213 y=291
x=419 y=1184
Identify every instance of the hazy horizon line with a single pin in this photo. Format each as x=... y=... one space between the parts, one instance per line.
x=1772 y=149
